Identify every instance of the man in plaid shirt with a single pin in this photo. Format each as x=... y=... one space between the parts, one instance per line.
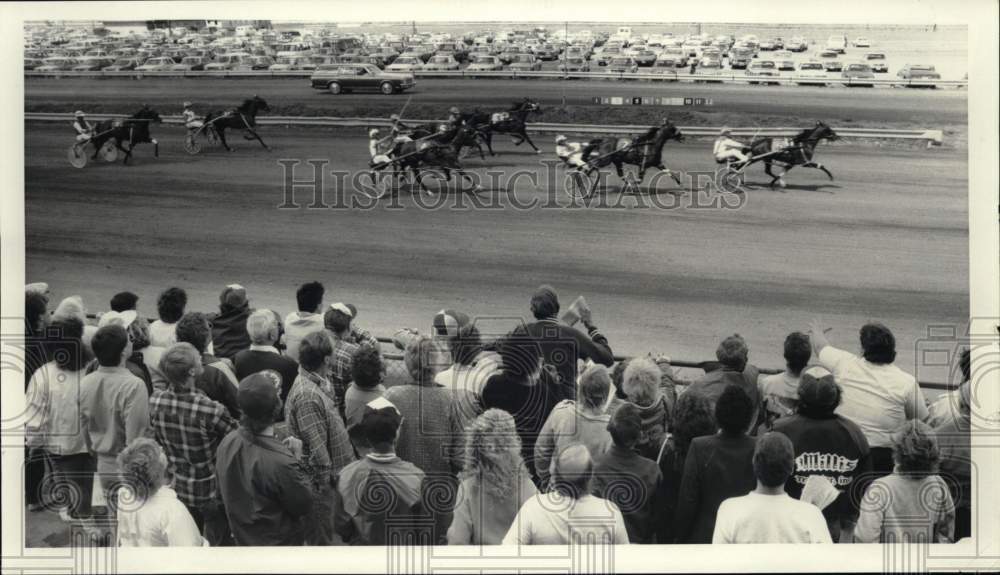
x=312 y=415
x=346 y=340
x=190 y=426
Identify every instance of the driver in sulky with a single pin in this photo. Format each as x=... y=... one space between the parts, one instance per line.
x=726 y=148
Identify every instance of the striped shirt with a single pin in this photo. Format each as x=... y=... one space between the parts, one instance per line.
x=190 y=426
x=312 y=416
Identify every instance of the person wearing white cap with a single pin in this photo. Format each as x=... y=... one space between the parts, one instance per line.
x=726 y=148
x=191 y=121
x=84 y=129
x=376 y=147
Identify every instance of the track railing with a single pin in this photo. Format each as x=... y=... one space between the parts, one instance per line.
x=933 y=137
x=669 y=76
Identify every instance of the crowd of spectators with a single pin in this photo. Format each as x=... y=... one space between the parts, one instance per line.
x=238 y=427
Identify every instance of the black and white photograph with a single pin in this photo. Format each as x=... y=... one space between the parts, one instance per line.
x=516 y=286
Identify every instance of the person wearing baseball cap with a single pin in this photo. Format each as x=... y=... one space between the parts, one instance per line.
x=562 y=345
x=829 y=445
x=261 y=482
x=84 y=129
x=229 y=325
x=346 y=339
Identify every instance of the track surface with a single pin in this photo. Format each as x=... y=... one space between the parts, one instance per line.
x=887 y=240
x=927 y=108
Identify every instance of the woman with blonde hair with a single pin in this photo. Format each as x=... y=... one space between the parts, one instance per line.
x=494 y=482
x=149 y=513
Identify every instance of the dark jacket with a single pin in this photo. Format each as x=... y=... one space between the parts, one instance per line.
x=834 y=447
x=713 y=383
x=250 y=361
x=229 y=331
x=264 y=489
x=563 y=345
x=218 y=382
x=631 y=482
x=530 y=406
x=716 y=468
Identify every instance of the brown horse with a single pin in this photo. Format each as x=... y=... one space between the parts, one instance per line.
x=800 y=153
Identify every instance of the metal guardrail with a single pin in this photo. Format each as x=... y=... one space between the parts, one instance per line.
x=934 y=137
x=398 y=356
x=550 y=74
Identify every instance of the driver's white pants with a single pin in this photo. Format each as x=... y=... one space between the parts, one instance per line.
x=194 y=124
x=575 y=160
x=81 y=138
x=731 y=155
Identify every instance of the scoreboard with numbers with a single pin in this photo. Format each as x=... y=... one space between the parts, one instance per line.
x=650 y=101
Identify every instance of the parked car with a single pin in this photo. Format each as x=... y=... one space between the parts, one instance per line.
x=918 y=72
x=877 y=61
x=833 y=66
x=547 y=52
x=797 y=44
x=645 y=58
x=740 y=58
x=56 y=64
x=811 y=73
x=406 y=63
x=837 y=42
x=762 y=69
x=32 y=63
x=767 y=44
x=574 y=64
x=858 y=72
x=229 y=61
x=525 y=63
x=265 y=62
x=160 y=64
x=784 y=61
x=189 y=63
x=91 y=64
x=360 y=77
x=607 y=54
x=623 y=64
x=122 y=65
x=484 y=63
x=441 y=62
x=862 y=42
x=679 y=58
x=827 y=53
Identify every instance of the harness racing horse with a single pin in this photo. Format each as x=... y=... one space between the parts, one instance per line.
x=511 y=122
x=462 y=135
x=243 y=117
x=648 y=153
x=799 y=154
x=134 y=130
x=431 y=154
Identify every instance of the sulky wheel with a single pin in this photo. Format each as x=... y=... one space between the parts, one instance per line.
x=78 y=156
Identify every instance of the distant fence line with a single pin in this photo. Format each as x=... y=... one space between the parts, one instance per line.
x=669 y=76
x=398 y=356
x=933 y=137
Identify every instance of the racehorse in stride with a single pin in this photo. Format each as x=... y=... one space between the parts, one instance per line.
x=427 y=155
x=644 y=151
x=243 y=117
x=134 y=130
x=800 y=153
x=512 y=122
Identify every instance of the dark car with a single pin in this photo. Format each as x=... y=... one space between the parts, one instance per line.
x=342 y=78
x=857 y=73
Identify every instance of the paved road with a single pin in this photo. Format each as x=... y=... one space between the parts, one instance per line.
x=887 y=240
x=928 y=108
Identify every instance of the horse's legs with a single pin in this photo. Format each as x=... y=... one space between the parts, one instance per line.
x=221 y=132
x=767 y=170
x=256 y=135
x=818 y=167
x=527 y=138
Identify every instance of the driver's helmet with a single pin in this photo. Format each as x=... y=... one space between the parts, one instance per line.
x=453 y=111
x=442 y=128
x=372 y=133
x=394 y=117
x=78 y=114
x=560 y=138
x=187 y=105
x=725 y=132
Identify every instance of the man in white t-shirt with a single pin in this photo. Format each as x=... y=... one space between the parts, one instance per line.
x=877 y=395
x=569 y=512
x=767 y=514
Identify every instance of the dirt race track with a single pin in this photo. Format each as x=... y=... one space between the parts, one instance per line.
x=887 y=240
